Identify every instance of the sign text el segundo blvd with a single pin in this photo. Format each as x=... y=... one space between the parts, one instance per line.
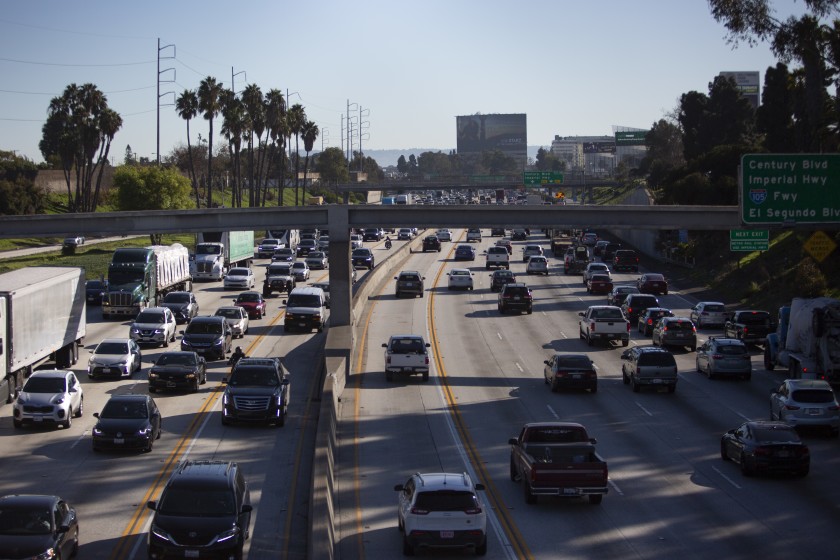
x=790 y=188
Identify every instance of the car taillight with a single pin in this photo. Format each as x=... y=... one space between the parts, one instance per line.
x=834 y=408
x=791 y=407
x=629 y=310
x=388 y=359
x=746 y=330
x=427 y=360
x=803 y=451
x=717 y=356
x=472 y=511
x=628 y=326
x=418 y=511
x=649 y=321
x=762 y=451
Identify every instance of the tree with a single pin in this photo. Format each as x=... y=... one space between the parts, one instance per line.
x=664 y=152
x=79 y=129
x=235 y=126
x=332 y=166
x=187 y=107
x=151 y=188
x=278 y=131
x=209 y=103
x=309 y=132
x=402 y=165
x=296 y=117
x=252 y=100
x=18 y=194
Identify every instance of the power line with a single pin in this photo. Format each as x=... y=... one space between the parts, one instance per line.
x=53 y=93
x=37 y=63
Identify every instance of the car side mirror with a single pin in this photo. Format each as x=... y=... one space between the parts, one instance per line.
x=152 y=505
x=545 y=362
x=593 y=441
x=384 y=345
x=479 y=486
x=513 y=441
x=96 y=415
x=399 y=488
x=581 y=313
x=428 y=345
x=224 y=380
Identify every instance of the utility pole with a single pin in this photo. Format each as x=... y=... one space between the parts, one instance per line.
x=159 y=94
x=362 y=124
x=233 y=76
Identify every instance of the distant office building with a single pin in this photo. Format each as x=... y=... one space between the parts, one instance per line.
x=487 y=133
x=748 y=84
x=599 y=155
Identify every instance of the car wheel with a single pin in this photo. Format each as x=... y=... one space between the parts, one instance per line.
x=149 y=445
x=555 y=387
x=195 y=385
x=588 y=339
x=514 y=475
x=709 y=372
x=17 y=424
x=594 y=388
x=389 y=376
x=426 y=376
x=481 y=550
x=625 y=342
x=81 y=409
x=768 y=362
x=723 y=454
x=697 y=366
x=693 y=347
x=530 y=498
x=746 y=376
x=69 y=422
x=746 y=470
x=408 y=549
x=633 y=385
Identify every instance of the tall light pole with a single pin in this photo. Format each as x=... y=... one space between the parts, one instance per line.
x=159 y=94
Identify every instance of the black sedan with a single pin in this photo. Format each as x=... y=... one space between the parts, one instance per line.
x=765 y=446
x=464 y=253
x=178 y=370
x=570 y=371
x=95 y=290
x=362 y=257
x=619 y=294
x=128 y=421
x=36 y=526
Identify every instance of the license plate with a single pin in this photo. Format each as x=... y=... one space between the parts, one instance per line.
x=190 y=554
x=783 y=454
x=170 y=383
x=447 y=534
x=409 y=284
x=301 y=324
x=656 y=381
x=814 y=411
x=37 y=418
x=679 y=335
x=575 y=376
x=570 y=491
x=119 y=441
x=517 y=298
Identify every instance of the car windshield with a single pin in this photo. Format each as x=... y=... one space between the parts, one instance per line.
x=25 y=520
x=608 y=313
x=409 y=278
x=600 y=278
x=279 y=270
x=814 y=396
x=361 y=253
x=654 y=277
x=446 y=500
x=680 y=325
x=149 y=317
x=299 y=264
x=176 y=360
x=308 y=243
x=96 y=285
x=249 y=297
x=238 y=272
x=714 y=308
x=408 y=346
x=459 y=273
x=576 y=362
x=112 y=348
x=598 y=267
x=198 y=501
x=269 y=242
x=229 y=313
x=776 y=433
x=253 y=377
x=284 y=252
x=176 y=297
x=45 y=385
x=316 y=255
x=731 y=349
x=124 y=409
x=202 y=327
x=627 y=290
x=203 y=249
x=303 y=300
x=660 y=359
x=754 y=318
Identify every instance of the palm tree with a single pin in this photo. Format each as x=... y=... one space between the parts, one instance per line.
x=209 y=93
x=252 y=100
x=109 y=123
x=187 y=107
x=275 y=113
x=296 y=117
x=235 y=127
x=309 y=132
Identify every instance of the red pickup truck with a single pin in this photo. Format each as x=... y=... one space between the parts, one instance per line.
x=557 y=459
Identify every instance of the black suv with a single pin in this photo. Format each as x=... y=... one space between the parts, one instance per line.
x=372 y=234
x=204 y=510
x=363 y=257
x=209 y=336
x=626 y=259
x=178 y=370
x=431 y=243
x=409 y=282
x=516 y=296
x=257 y=391
x=635 y=304
x=500 y=278
x=608 y=252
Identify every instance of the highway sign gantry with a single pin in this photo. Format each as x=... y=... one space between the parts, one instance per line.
x=789 y=189
x=537 y=178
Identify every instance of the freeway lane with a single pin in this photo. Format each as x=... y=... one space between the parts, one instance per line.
x=109 y=490
x=670 y=493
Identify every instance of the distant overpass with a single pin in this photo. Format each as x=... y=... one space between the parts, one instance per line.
x=508 y=184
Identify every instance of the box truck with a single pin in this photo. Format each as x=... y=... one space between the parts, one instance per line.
x=216 y=252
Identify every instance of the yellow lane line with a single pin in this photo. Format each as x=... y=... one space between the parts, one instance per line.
x=141 y=513
x=517 y=541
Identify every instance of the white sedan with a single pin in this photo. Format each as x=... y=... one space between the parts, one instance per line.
x=237 y=319
x=241 y=278
x=444 y=235
x=460 y=279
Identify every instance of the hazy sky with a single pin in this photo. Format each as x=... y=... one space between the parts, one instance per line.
x=574 y=67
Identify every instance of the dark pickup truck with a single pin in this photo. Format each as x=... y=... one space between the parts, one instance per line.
x=557 y=459
x=749 y=326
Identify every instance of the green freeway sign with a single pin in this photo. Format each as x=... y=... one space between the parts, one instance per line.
x=631 y=138
x=790 y=188
x=542 y=178
x=749 y=239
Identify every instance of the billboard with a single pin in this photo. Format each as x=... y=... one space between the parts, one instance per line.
x=487 y=133
x=748 y=84
x=599 y=147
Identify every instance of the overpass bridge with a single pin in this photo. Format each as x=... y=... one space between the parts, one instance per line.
x=339 y=219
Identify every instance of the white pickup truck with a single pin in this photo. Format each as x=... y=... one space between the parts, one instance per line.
x=406 y=353
x=497 y=257
x=604 y=322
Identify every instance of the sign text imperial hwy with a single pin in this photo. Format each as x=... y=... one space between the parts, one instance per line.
x=790 y=188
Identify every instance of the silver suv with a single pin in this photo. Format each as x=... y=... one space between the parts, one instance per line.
x=650 y=366
x=49 y=397
x=154 y=325
x=441 y=510
x=806 y=402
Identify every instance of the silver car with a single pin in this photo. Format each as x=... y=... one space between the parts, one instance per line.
x=49 y=397
x=724 y=357
x=239 y=277
x=237 y=319
x=708 y=313
x=154 y=325
x=115 y=357
x=806 y=402
x=300 y=270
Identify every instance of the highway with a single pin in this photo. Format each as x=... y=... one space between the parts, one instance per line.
x=671 y=495
x=110 y=490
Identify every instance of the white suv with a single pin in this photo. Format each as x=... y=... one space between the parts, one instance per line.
x=441 y=510
x=49 y=397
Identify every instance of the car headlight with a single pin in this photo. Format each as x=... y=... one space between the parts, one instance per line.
x=152 y=375
x=218 y=342
x=227 y=535
x=97 y=431
x=21 y=399
x=135 y=330
x=59 y=399
x=48 y=554
x=156 y=531
x=185 y=342
x=144 y=431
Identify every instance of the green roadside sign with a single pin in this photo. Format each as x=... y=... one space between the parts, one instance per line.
x=536 y=178
x=749 y=240
x=787 y=189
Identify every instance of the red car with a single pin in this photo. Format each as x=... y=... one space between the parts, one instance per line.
x=599 y=284
x=253 y=303
x=653 y=284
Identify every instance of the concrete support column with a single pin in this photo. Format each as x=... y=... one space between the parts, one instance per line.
x=341 y=286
